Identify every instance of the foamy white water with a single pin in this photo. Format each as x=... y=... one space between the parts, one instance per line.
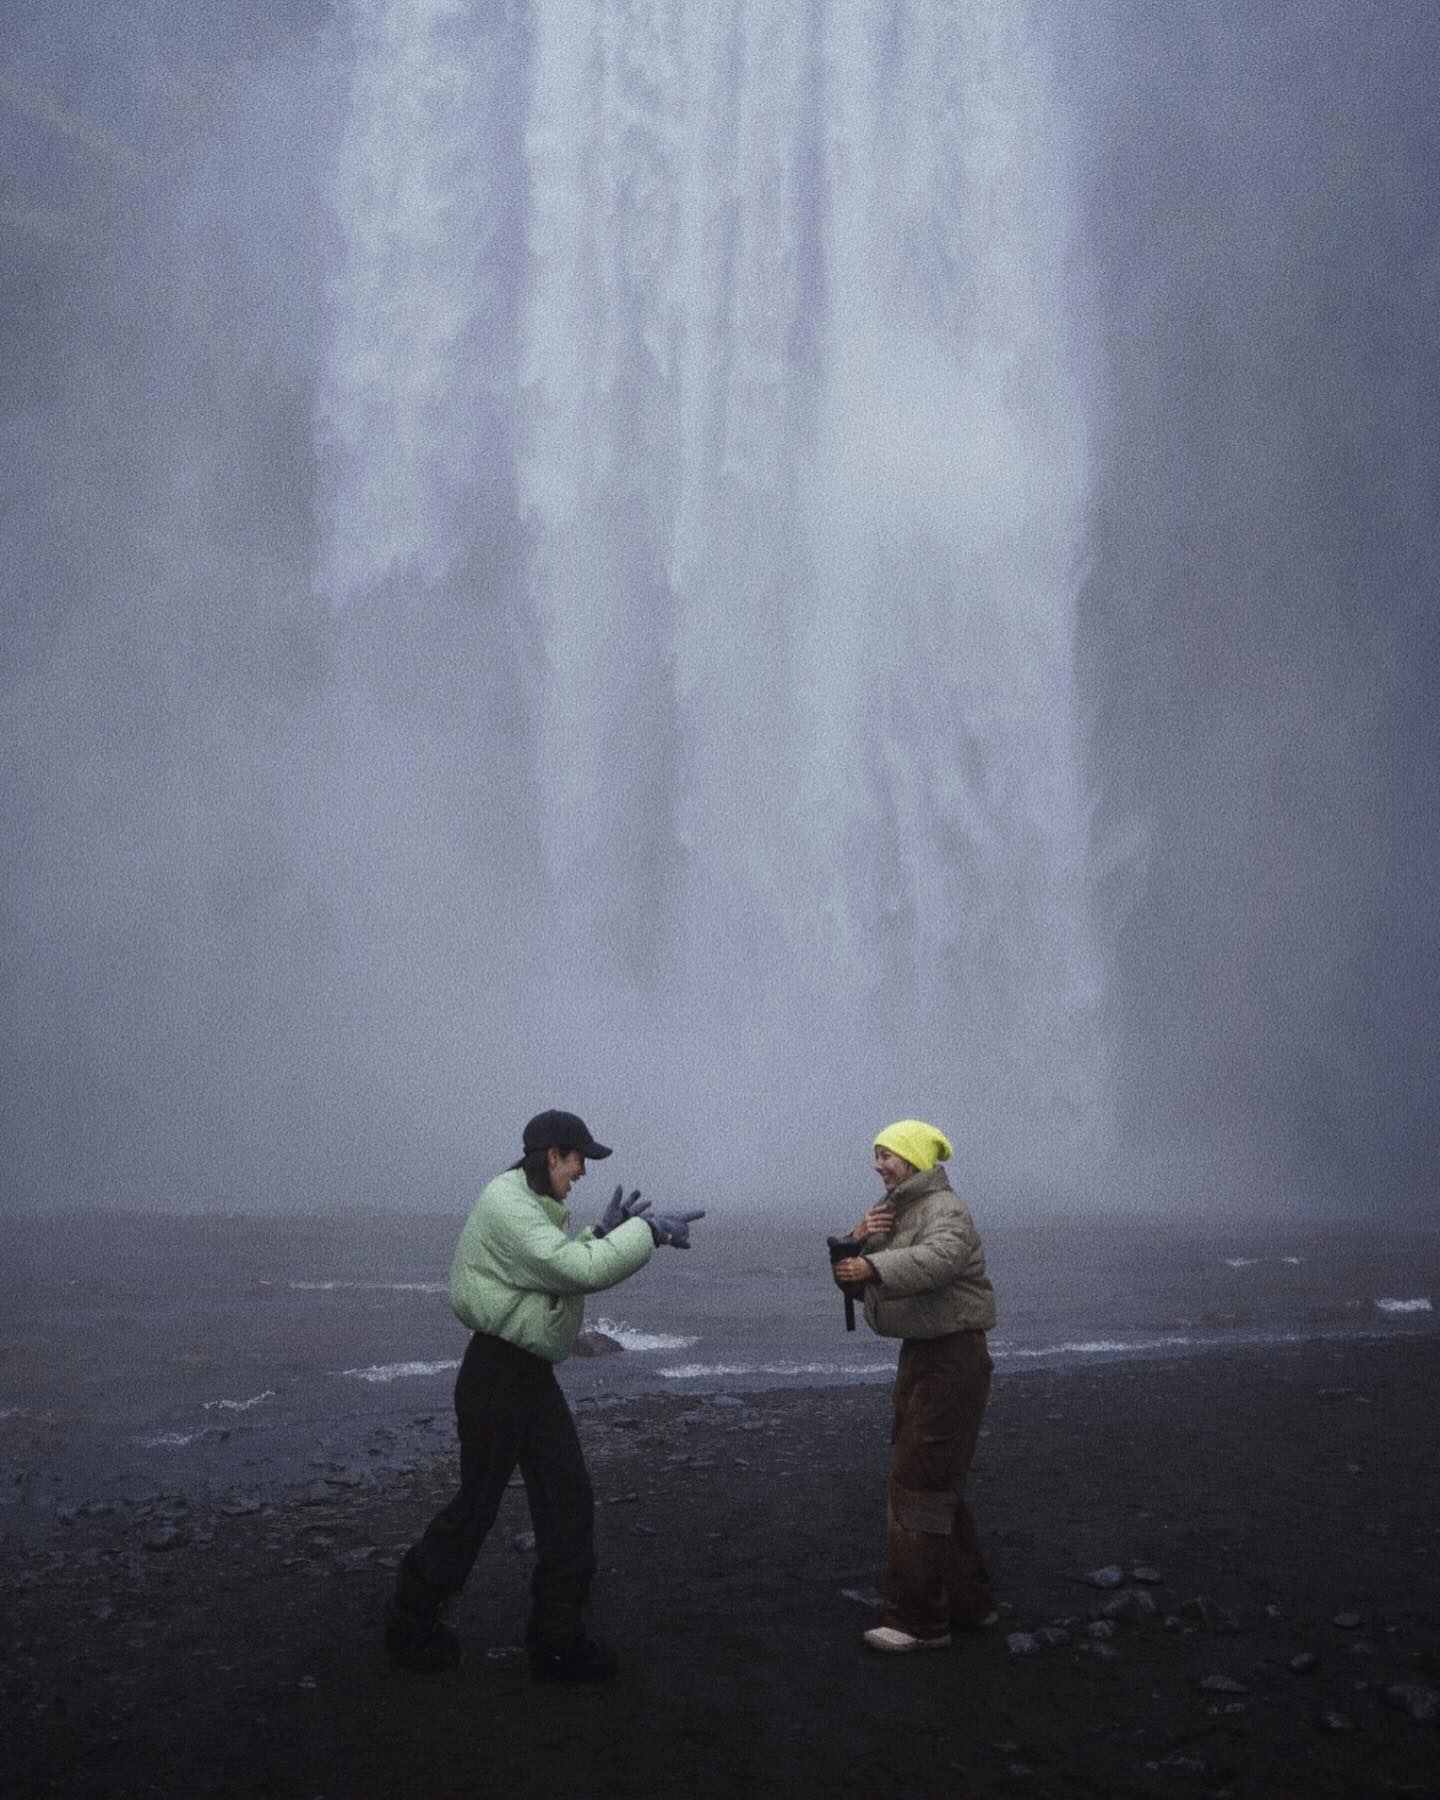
x=1090 y=1347
x=631 y=1339
x=699 y=1371
x=239 y=1405
x=1419 y=1305
x=369 y=1287
x=400 y=1371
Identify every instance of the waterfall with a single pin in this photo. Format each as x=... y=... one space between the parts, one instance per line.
x=745 y=328
x=419 y=373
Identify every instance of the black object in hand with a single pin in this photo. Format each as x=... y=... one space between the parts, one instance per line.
x=842 y=1248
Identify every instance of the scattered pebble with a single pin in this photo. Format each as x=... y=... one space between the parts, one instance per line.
x=1421 y=1703
x=523 y=1542
x=1211 y=1614
x=1221 y=1684
x=1022 y=1643
x=1111 y=1576
x=347 y=1477
x=1130 y=1603
x=1335 y=1721
x=1347 y=1621
x=1178 y=1763
x=1305 y=1663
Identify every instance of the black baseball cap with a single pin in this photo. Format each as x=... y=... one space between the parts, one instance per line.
x=562 y=1131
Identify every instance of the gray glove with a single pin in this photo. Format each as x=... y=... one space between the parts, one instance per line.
x=673 y=1228
x=622 y=1206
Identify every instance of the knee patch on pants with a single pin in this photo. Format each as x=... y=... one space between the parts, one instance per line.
x=931 y=1513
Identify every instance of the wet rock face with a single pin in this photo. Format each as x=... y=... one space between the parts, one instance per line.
x=596 y=1343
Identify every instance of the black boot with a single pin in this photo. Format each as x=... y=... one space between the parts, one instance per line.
x=416 y=1636
x=560 y=1648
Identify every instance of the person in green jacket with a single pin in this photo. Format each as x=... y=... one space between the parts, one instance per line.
x=518 y=1281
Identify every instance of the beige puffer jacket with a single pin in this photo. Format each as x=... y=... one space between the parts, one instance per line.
x=931 y=1267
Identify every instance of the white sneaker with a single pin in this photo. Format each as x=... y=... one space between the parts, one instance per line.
x=886 y=1637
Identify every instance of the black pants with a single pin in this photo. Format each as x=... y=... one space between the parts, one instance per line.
x=510 y=1411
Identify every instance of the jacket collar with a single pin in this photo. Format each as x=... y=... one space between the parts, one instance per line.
x=554 y=1210
x=917 y=1186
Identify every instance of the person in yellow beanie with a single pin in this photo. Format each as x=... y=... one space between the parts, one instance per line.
x=921 y=1266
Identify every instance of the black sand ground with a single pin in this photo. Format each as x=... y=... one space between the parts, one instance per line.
x=1280 y=1505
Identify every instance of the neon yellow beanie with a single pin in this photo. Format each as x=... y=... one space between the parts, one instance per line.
x=919 y=1143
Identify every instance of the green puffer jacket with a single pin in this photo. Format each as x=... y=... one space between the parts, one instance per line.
x=931 y=1267
x=517 y=1276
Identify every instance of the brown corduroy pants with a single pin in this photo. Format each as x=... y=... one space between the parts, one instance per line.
x=935 y=1570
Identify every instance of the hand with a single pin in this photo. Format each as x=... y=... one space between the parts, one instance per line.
x=673 y=1228
x=878 y=1222
x=853 y=1271
x=621 y=1208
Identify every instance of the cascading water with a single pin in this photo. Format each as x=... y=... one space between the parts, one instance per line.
x=719 y=356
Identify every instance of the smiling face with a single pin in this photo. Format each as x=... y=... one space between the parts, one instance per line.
x=566 y=1167
x=891 y=1169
